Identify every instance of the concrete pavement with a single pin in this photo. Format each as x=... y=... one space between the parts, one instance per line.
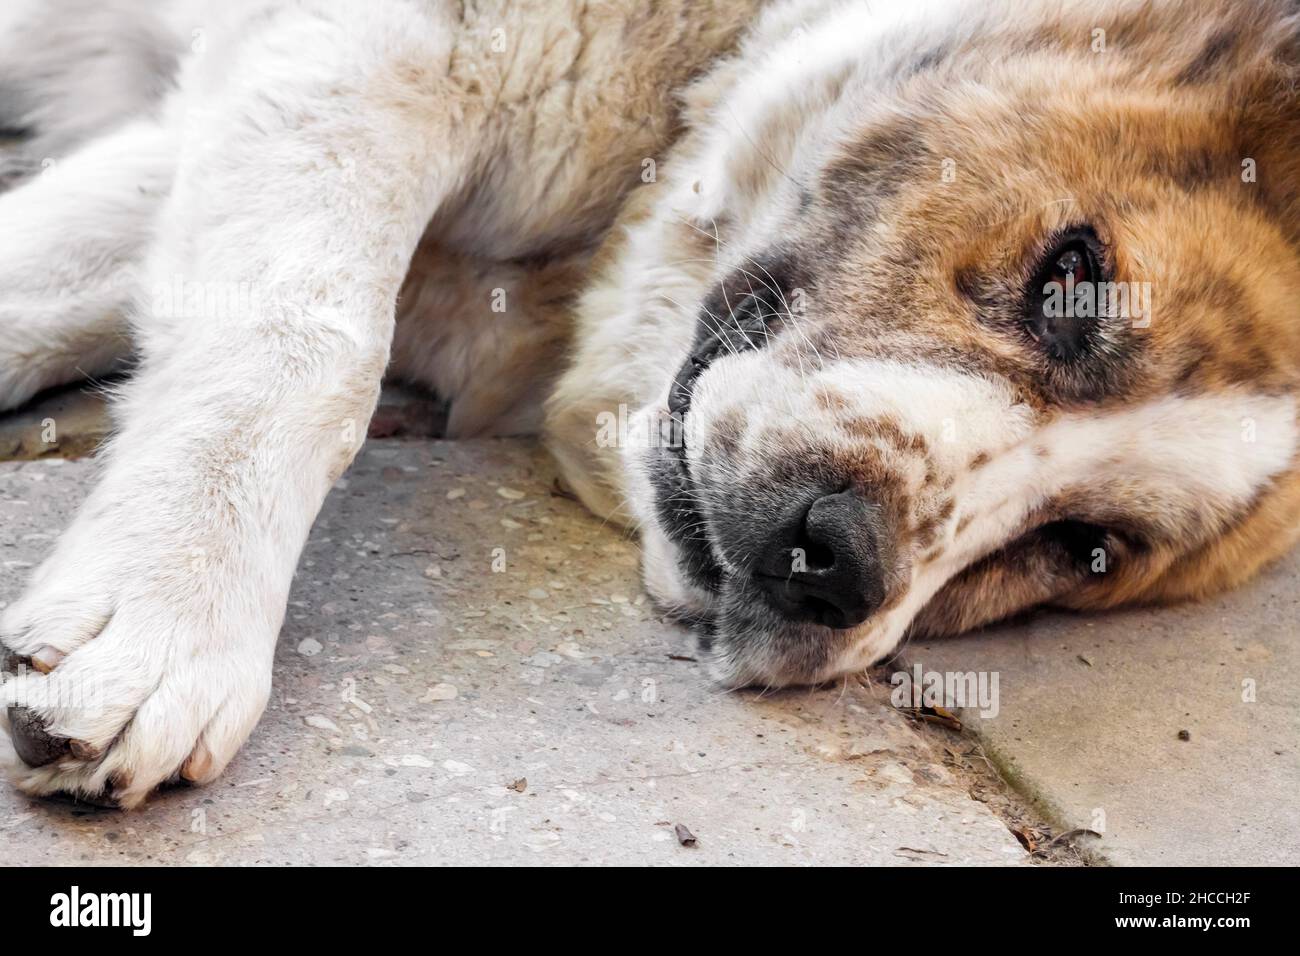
x=469 y=673
x=1172 y=732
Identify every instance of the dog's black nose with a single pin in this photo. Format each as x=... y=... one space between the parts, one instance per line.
x=823 y=564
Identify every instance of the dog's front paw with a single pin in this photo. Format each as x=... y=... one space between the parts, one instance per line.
x=126 y=671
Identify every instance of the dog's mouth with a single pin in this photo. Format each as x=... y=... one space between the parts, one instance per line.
x=747 y=326
x=676 y=501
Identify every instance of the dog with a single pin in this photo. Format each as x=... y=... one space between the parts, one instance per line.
x=872 y=318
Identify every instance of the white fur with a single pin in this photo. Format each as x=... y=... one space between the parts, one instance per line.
x=74 y=69
x=169 y=588
x=70 y=252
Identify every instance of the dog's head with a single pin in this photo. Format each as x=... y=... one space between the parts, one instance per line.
x=1003 y=310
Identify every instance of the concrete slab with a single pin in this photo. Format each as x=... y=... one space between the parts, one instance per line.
x=469 y=673
x=1094 y=711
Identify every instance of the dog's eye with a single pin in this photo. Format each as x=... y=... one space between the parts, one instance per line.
x=1060 y=313
x=1072 y=265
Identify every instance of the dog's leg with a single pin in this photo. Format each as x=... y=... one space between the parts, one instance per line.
x=457 y=336
x=71 y=244
x=295 y=212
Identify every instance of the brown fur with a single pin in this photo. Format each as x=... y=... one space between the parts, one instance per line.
x=1152 y=137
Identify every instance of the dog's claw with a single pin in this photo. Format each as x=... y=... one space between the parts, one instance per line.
x=34 y=746
x=31 y=742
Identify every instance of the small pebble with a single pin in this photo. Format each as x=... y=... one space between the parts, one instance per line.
x=440 y=692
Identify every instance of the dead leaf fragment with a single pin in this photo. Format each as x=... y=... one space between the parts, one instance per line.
x=1029 y=837
x=933 y=715
x=684 y=836
x=1068 y=837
